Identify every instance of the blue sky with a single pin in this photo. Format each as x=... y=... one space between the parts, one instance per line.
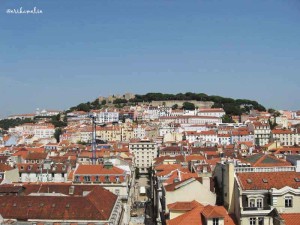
x=80 y=49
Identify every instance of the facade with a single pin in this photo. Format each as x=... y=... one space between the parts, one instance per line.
x=261 y=131
x=255 y=195
x=108 y=116
x=139 y=131
x=44 y=131
x=215 y=112
x=285 y=137
x=8 y=174
x=108 y=176
x=43 y=172
x=259 y=194
x=144 y=152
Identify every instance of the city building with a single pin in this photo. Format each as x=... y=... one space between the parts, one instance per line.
x=144 y=152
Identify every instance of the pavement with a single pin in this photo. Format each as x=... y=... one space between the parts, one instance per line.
x=142 y=206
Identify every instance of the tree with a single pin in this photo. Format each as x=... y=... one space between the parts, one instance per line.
x=227 y=119
x=103 y=102
x=82 y=143
x=271 y=110
x=175 y=106
x=119 y=101
x=8 y=123
x=57 y=133
x=188 y=106
x=55 y=120
x=95 y=104
x=83 y=107
x=272 y=124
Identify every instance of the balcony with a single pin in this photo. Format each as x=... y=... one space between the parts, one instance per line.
x=256 y=208
x=256 y=211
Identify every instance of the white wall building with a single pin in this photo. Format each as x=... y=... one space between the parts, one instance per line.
x=108 y=116
x=144 y=153
x=44 y=131
x=215 y=112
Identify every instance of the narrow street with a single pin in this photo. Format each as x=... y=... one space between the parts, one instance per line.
x=141 y=209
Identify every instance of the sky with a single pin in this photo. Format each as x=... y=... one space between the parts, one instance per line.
x=77 y=50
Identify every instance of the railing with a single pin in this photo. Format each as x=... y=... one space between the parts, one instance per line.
x=256 y=208
x=264 y=169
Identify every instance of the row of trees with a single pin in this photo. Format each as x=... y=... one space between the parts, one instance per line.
x=8 y=123
x=88 y=106
x=230 y=105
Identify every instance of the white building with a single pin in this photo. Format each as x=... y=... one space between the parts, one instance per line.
x=108 y=116
x=144 y=152
x=44 y=131
x=215 y=112
x=285 y=137
x=139 y=131
x=42 y=172
x=261 y=132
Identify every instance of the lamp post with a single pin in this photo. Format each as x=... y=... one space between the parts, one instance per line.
x=93 y=117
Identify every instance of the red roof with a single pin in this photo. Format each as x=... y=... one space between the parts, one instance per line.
x=4 y=167
x=268 y=180
x=97 y=169
x=282 y=131
x=97 y=205
x=183 y=206
x=198 y=216
x=291 y=218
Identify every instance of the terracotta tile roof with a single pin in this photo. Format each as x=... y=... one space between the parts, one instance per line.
x=4 y=167
x=97 y=205
x=214 y=212
x=247 y=143
x=268 y=180
x=194 y=157
x=173 y=149
x=192 y=217
x=177 y=185
x=182 y=174
x=291 y=218
x=197 y=216
x=161 y=159
x=263 y=160
x=294 y=150
x=212 y=110
x=282 y=131
x=183 y=206
x=35 y=156
x=97 y=169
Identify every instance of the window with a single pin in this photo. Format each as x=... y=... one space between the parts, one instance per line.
x=260 y=221
x=117 y=179
x=288 y=201
x=215 y=221
x=77 y=179
x=107 y=179
x=252 y=221
x=252 y=203
x=259 y=203
x=96 y=178
x=87 y=178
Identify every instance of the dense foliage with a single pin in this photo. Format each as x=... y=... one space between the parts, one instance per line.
x=231 y=106
x=8 y=123
x=86 y=107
